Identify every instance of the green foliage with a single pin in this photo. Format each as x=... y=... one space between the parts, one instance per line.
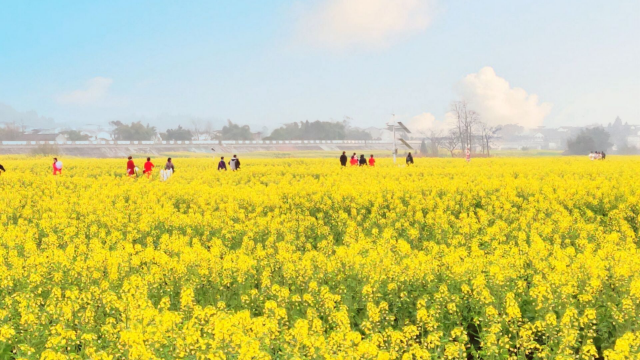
x=356 y=134
x=423 y=148
x=177 y=134
x=134 y=131
x=318 y=130
x=593 y=139
x=73 y=135
x=233 y=131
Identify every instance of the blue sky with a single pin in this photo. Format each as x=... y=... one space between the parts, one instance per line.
x=267 y=62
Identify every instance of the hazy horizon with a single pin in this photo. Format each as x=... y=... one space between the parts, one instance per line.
x=274 y=62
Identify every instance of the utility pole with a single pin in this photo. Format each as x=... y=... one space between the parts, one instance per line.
x=400 y=126
x=395 y=148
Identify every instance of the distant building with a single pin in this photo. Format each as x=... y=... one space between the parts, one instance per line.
x=538 y=137
x=623 y=134
x=633 y=140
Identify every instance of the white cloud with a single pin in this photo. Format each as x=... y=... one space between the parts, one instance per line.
x=94 y=93
x=498 y=103
x=494 y=99
x=369 y=23
x=422 y=123
x=426 y=122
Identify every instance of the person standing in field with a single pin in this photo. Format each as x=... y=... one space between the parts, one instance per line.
x=167 y=171
x=468 y=154
x=372 y=161
x=234 y=163
x=57 y=166
x=409 y=159
x=343 y=158
x=363 y=161
x=169 y=166
x=148 y=168
x=603 y=155
x=222 y=165
x=2 y=169
x=354 y=160
x=131 y=167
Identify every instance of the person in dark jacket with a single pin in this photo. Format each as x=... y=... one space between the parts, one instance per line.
x=2 y=169
x=409 y=159
x=363 y=161
x=343 y=158
x=169 y=166
x=221 y=164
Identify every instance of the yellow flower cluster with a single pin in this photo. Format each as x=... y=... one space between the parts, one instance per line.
x=302 y=259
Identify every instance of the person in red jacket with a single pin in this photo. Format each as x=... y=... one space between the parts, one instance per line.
x=148 y=168
x=354 y=160
x=372 y=161
x=57 y=168
x=131 y=167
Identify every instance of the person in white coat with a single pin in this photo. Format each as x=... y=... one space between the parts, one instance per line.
x=234 y=163
x=57 y=166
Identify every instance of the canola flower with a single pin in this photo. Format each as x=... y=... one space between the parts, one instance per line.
x=300 y=259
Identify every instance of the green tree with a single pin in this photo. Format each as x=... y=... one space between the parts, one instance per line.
x=134 y=131
x=423 y=147
x=180 y=134
x=356 y=134
x=593 y=139
x=318 y=130
x=73 y=135
x=233 y=131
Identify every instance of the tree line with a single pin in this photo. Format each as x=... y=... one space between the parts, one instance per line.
x=316 y=130
x=467 y=131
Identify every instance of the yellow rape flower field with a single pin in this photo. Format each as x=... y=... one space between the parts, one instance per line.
x=533 y=258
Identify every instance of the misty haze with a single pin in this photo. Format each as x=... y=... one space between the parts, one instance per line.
x=320 y=179
x=532 y=76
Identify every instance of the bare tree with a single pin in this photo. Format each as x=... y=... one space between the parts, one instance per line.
x=197 y=128
x=466 y=121
x=487 y=134
x=208 y=129
x=451 y=141
x=10 y=131
x=435 y=139
x=473 y=119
